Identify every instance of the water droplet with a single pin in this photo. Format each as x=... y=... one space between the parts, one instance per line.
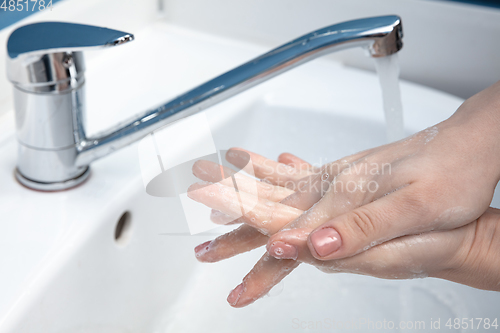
x=325 y=176
x=278 y=251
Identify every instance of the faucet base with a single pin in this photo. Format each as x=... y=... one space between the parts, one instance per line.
x=52 y=187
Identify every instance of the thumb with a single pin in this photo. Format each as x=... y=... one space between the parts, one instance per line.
x=391 y=216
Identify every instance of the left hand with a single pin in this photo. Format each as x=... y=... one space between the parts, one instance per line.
x=278 y=205
x=253 y=233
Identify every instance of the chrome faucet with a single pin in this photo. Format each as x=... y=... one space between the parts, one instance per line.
x=45 y=64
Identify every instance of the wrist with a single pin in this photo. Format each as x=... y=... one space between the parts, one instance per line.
x=477 y=261
x=475 y=128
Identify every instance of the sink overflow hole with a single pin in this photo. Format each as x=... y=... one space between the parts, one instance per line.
x=122 y=229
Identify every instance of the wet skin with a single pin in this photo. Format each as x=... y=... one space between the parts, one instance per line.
x=427 y=216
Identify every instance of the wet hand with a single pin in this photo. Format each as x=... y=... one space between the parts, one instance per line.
x=437 y=180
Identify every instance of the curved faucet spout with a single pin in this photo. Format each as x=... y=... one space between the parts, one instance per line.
x=382 y=36
x=47 y=71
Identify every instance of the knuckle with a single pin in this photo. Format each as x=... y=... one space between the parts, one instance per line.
x=362 y=223
x=422 y=201
x=419 y=201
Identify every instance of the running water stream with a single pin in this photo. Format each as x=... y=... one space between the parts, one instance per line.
x=388 y=73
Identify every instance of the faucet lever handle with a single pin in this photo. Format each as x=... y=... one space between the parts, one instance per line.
x=47 y=56
x=51 y=37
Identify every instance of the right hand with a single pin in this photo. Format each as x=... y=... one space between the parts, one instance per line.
x=439 y=179
x=466 y=255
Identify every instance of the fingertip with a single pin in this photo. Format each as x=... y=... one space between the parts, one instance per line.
x=293 y=161
x=191 y=189
x=238 y=157
x=201 y=250
x=201 y=165
x=284 y=158
x=282 y=250
x=206 y=170
x=197 y=165
x=235 y=295
x=288 y=244
x=195 y=187
x=235 y=150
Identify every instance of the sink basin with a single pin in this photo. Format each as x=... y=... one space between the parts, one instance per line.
x=107 y=257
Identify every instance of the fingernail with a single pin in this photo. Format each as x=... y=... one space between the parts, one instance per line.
x=326 y=241
x=238 y=158
x=192 y=191
x=197 y=168
x=281 y=250
x=202 y=249
x=235 y=295
x=207 y=170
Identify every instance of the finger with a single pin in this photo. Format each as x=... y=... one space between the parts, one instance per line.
x=268 y=271
x=310 y=191
x=264 y=168
x=218 y=217
x=391 y=216
x=262 y=278
x=258 y=282
x=240 y=240
x=213 y=172
x=312 y=188
x=232 y=240
x=241 y=296
x=252 y=289
x=264 y=215
x=290 y=244
x=296 y=162
x=233 y=243
x=405 y=257
x=281 y=247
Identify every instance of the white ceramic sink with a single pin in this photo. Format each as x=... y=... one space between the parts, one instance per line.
x=63 y=271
